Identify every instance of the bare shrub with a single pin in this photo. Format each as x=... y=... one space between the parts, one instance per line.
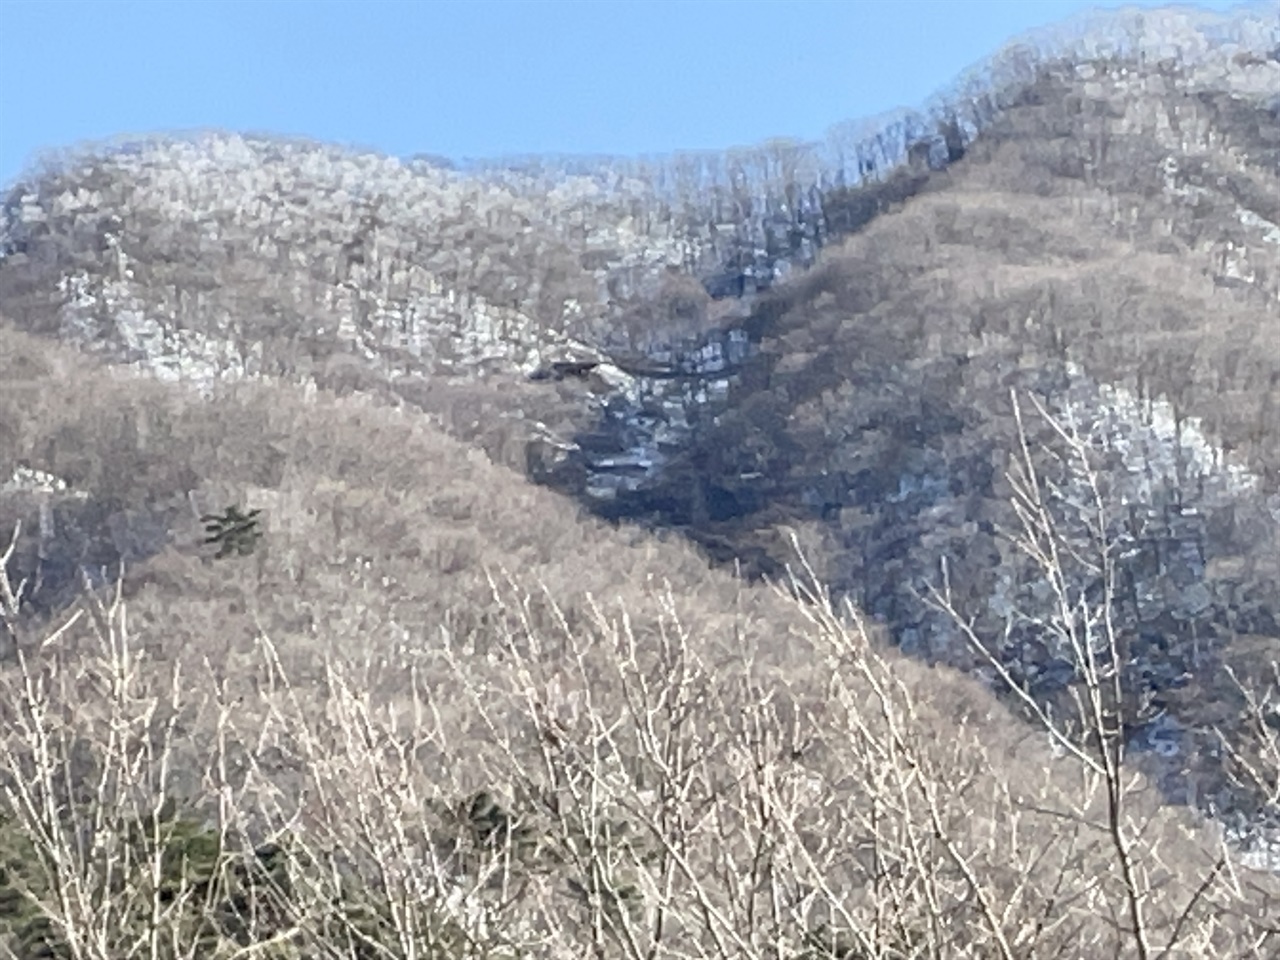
x=437 y=713
x=1067 y=537
x=618 y=787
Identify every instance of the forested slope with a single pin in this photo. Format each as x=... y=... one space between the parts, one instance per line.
x=990 y=391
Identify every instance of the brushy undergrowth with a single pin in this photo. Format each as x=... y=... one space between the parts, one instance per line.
x=635 y=801
x=362 y=737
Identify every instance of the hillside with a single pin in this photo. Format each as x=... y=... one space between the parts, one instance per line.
x=1125 y=277
x=868 y=548
x=422 y=628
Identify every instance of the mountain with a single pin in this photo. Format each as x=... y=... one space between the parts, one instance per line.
x=988 y=392
x=1095 y=248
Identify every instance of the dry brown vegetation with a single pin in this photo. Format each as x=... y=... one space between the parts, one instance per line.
x=442 y=712
x=1081 y=240
x=482 y=725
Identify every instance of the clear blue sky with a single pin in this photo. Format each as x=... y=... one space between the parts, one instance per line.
x=483 y=78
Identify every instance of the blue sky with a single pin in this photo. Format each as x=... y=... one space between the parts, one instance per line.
x=484 y=78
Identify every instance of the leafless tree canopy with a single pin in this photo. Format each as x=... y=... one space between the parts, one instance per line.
x=856 y=550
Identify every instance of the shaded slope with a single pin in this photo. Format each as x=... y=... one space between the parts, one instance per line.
x=1106 y=245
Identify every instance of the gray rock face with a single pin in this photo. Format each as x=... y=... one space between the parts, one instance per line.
x=644 y=415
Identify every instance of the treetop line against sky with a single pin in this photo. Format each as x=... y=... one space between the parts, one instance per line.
x=483 y=78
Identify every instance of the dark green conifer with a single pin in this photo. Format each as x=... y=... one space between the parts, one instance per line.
x=234 y=531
